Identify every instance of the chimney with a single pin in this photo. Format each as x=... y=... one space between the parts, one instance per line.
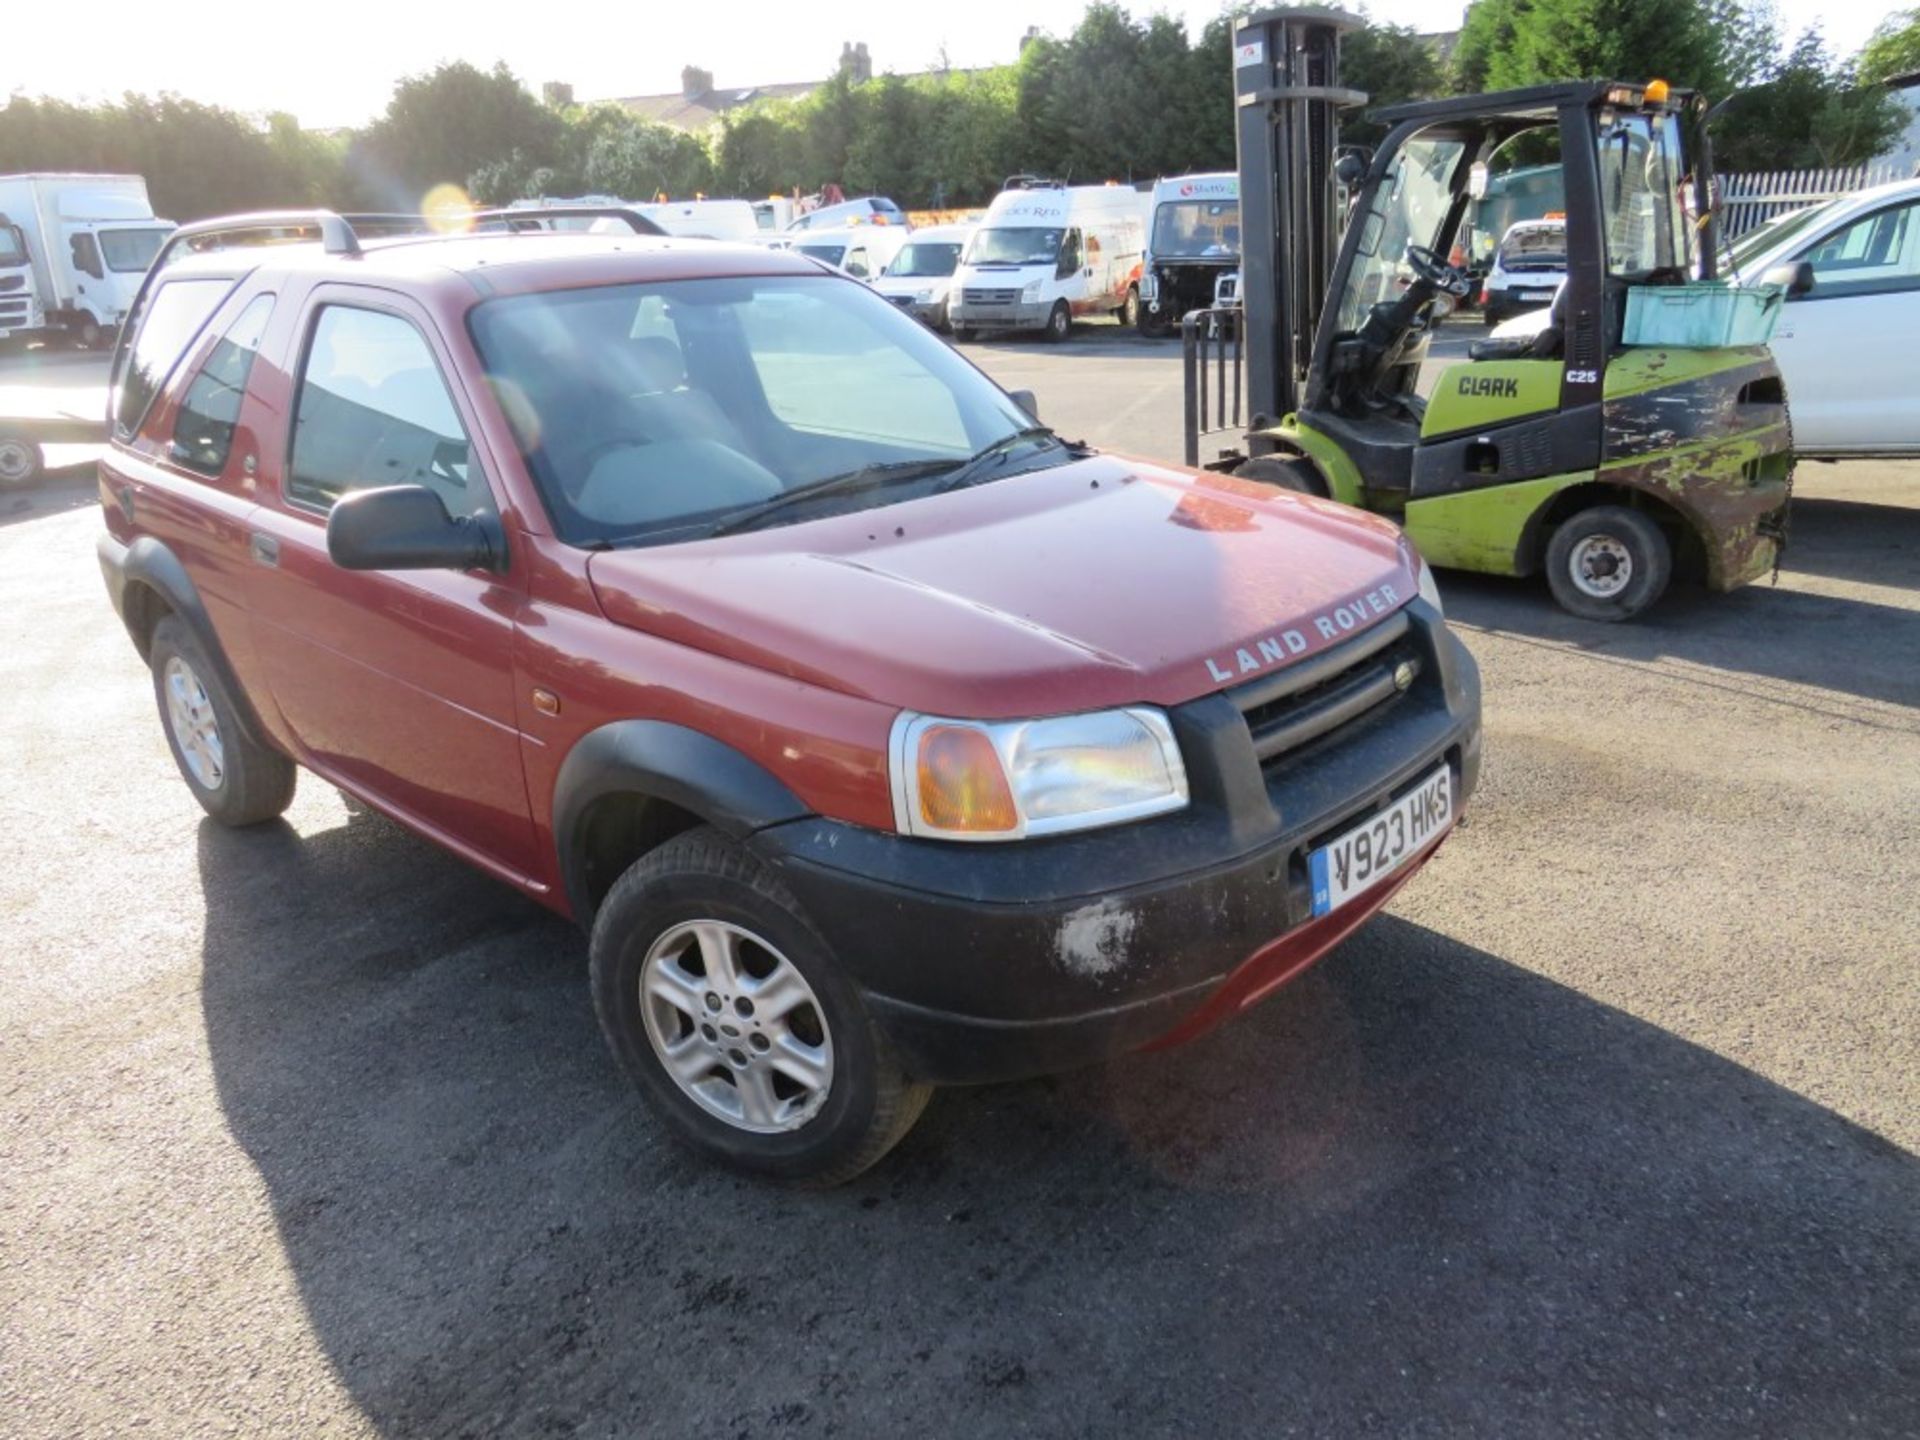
x=855 y=63
x=557 y=93
x=695 y=82
x=1033 y=34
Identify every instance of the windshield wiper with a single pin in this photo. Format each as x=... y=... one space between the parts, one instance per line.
x=975 y=466
x=867 y=477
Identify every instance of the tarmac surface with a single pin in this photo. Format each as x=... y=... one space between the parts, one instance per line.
x=1608 y=1127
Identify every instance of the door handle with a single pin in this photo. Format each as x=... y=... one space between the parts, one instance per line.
x=265 y=548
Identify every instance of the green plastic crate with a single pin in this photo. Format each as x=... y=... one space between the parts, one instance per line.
x=1702 y=315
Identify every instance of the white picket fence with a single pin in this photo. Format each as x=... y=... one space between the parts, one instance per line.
x=1749 y=200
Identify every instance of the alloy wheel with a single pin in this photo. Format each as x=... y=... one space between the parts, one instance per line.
x=196 y=729
x=736 y=1025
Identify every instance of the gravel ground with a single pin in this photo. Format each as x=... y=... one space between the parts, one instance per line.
x=1607 y=1128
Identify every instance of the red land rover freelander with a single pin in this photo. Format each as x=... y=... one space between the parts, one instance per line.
x=880 y=738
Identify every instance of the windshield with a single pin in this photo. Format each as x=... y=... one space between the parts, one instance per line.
x=12 y=251
x=827 y=254
x=1641 y=170
x=131 y=251
x=1015 y=247
x=1197 y=229
x=1534 y=248
x=1791 y=226
x=1409 y=206
x=654 y=412
x=927 y=260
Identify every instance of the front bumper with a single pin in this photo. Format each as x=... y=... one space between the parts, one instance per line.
x=995 y=962
x=1017 y=315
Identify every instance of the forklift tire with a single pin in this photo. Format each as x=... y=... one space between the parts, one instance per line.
x=1059 y=323
x=1284 y=473
x=1608 y=563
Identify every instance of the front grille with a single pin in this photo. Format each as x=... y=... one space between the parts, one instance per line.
x=1287 y=711
x=15 y=310
x=12 y=282
x=972 y=296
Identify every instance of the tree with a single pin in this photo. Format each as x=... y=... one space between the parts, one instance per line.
x=443 y=127
x=1391 y=63
x=638 y=160
x=1705 y=44
x=1892 y=50
x=1808 y=113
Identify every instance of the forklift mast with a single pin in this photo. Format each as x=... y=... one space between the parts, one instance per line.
x=1287 y=98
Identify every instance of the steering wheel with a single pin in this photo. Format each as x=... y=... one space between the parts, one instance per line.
x=1443 y=277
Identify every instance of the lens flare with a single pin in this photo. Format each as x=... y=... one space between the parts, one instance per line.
x=448 y=209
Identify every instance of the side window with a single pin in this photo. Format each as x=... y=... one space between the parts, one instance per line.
x=86 y=255
x=1875 y=254
x=171 y=316
x=203 y=428
x=857 y=262
x=1069 y=255
x=373 y=410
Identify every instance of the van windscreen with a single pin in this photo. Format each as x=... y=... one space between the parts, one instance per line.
x=1015 y=247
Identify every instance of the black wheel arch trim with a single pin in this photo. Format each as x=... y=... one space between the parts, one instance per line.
x=149 y=562
x=659 y=760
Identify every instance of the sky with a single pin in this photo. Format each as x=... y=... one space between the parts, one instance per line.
x=335 y=64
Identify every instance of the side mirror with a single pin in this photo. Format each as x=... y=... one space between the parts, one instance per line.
x=1795 y=277
x=1350 y=169
x=406 y=527
x=1024 y=399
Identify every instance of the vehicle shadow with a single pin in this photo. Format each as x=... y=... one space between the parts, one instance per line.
x=69 y=488
x=1840 y=643
x=1423 y=1190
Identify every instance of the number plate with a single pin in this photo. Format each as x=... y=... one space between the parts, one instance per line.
x=1380 y=844
x=1535 y=296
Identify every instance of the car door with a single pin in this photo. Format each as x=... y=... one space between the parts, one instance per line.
x=397 y=684
x=1845 y=347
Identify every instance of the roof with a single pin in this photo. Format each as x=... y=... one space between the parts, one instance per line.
x=1529 y=102
x=495 y=263
x=698 y=112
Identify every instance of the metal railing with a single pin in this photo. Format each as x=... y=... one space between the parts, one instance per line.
x=1211 y=348
x=1748 y=199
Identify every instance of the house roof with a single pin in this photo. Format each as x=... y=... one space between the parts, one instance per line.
x=685 y=112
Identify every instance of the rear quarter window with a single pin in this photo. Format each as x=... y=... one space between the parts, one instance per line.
x=203 y=428
x=170 y=317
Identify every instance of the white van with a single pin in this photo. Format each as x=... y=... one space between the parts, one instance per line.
x=1192 y=244
x=920 y=277
x=1046 y=253
x=704 y=219
x=860 y=250
x=90 y=239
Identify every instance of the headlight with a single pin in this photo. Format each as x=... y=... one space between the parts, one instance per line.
x=1032 y=290
x=1429 y=590
x=923 y=297
x=1003 y=780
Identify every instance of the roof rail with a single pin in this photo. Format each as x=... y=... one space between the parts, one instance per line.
x=528 y=217
x=337 y=236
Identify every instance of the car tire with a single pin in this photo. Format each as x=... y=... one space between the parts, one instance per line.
x=1129 y=311
x=1059 y=323
x=236 y=780
x=1154 y=326
x=1608 y=563
x=1284 y=473
x=20 y=460
x=684 y=942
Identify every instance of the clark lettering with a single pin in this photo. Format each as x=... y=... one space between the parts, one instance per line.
x=1504 y=386
x=1283 y=645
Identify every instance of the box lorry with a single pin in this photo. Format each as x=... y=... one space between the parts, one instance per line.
x=1047 y=253
x=20 y=309
x=89 y=240
x=1192 y=243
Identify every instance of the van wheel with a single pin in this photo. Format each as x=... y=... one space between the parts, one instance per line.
x=1608 y=563
x=236 y=781
x=20 y=462
x=734 y=1019
x=963 y=333
x=90 y=334
x=1129 y=312
x=1059 y=323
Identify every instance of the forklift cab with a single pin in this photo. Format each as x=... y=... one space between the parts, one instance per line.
x=1570 y=451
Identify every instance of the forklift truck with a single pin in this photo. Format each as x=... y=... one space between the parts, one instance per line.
x=1601 y=462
